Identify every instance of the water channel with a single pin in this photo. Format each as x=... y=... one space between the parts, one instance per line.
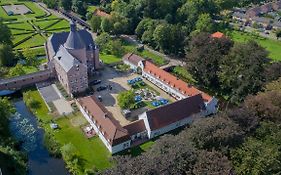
x=24 y=127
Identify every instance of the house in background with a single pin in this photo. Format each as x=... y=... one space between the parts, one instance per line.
x=133 y=60
x=73 y=56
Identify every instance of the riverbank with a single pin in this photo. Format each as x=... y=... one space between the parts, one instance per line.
x=13 y=161
x=91 y=154
x=24 y=127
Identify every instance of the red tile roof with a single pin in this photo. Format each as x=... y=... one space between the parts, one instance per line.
x=171 y=113
x=132 y=58
x=135 y=127
x=174 y=82
x=217 y=35
x=113 y=131
x=100 y=13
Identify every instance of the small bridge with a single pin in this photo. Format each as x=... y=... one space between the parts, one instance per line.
x=20 y=82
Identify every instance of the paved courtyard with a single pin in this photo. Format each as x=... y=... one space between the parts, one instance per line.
x=16 y=9
x=51 y=94
x=118 y=81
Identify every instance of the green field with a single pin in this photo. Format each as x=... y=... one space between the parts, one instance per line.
x=272 y=46
x=109 y=59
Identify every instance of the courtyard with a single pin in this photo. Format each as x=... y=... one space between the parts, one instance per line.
x=16 y=9
x=119 y=83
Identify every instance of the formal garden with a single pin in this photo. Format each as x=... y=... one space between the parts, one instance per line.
x=30 y=27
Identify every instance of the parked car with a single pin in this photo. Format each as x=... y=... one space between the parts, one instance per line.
x=95 y=82
x=101 y=88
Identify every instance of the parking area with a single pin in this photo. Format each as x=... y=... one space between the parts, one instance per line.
x=52 y=95
x=118 y=82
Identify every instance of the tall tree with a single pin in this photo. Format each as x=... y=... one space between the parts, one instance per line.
x=65 y=4
x=5 y=34
x=7 y=57
x=79 y=7
x=212 y=162
x=204 y=57
x=95 y=23
x=242 y=71
x=107 y=25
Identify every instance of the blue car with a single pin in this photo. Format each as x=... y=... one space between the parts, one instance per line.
x=155 y=103
x=164 y=101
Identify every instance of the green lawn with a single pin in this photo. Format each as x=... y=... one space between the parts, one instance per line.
x=92 y=151
x=273 y=46
x=183 y=74
x=24 y=26
x=36 y=40
x=43 y=24
x=18 y=38
x=59 y=25
x=109 y=59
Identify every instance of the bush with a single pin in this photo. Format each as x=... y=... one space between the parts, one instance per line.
x=52 y=146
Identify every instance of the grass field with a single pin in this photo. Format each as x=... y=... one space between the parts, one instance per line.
x=273 y=46
x=92 y=150
x=109 y=59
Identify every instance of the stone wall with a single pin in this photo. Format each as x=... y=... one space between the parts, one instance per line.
x=19 y=82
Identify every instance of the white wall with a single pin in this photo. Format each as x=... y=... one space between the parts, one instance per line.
x=171 y=127
x=167 y=88
x=115 y=148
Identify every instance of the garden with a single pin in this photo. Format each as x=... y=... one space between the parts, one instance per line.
x=30 y=27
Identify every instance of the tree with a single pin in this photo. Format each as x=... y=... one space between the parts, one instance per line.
x=95 y=23
x=30 y=57
x=6 y=55
x=65 y=4
x=217 y=133
x=16 y=71
x=5 y=34
x=102 y=41
x=115 y=48
x=266 y=106
x=106 y=25
x=126 y=99
x=79 y=7
x=259 y=154
x=204 y=56
x=242 y=70
x=204 y=23
x=212 y=162
x=163 y=40
x=51 y=3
